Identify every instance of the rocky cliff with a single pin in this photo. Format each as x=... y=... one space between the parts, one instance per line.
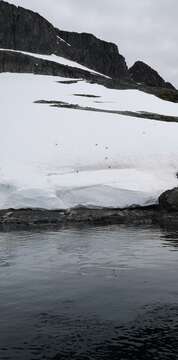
x=97 y=54
x=22 y=29
x=25 y=30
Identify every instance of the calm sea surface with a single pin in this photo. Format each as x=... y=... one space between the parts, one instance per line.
x=99 y=293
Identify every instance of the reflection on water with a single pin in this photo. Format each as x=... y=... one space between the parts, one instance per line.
x=89 y=293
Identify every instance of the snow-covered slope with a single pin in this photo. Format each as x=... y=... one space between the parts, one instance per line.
x=58 y=158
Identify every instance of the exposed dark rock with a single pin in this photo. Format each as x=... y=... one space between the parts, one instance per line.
x=144 y=74
x=38 y=217
x=68 y=82
x=169 y=200
x=162 y=93
x=25 y=30
x=92 y=52
x=22 y=29
x=11 y=219
x=21 y=63
x=87 y=95
x=142 y=115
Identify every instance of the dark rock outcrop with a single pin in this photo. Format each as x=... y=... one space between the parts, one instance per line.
x=17 y=62
x=22 y=29
x=28 y=219
x=144 y=74
x=33 y=218
x=25 y=30
x=92 y=52
x=169 y=200
x=141 y=115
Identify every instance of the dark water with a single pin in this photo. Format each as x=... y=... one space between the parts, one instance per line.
x=89 y=293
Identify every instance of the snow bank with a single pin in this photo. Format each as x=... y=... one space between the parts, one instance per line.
x=59 y=158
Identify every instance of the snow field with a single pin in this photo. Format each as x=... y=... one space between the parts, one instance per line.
x=60 y=158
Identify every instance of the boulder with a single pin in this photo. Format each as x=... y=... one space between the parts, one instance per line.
x=169 y=200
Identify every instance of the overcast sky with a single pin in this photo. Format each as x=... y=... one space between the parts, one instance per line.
x=143 y=29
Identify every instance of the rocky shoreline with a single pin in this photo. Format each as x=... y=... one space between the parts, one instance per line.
x=29 y=219
x=164 y=214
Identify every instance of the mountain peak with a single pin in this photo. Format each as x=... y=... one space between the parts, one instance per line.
x=145 y=74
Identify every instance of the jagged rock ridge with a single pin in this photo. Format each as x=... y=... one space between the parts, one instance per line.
x=25 y=30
